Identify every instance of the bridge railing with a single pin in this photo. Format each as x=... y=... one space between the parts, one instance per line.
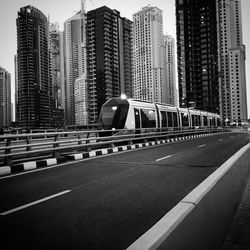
x=23 y=147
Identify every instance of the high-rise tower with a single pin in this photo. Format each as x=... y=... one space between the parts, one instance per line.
x=169 y=65
x=232 y=50
x=125 y=56
x=75 y=60
x=148 y=57
x=197 y=54
x=35 y=107
x=5 y=98
x=109 y=46
x=211 y=57
x=58 y=91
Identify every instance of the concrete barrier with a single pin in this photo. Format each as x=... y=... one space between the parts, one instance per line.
x=201 y=219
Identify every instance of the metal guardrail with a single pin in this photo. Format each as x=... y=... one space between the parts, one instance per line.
x=23 y=147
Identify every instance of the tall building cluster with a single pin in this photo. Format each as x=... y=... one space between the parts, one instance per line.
x=62 y=78
x=211 y=57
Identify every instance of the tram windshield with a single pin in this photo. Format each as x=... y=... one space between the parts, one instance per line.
x=113 y=114
x=106 y=117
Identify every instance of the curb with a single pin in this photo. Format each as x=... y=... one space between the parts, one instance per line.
x=5 y=170
x=192 y=210
x=120 y=149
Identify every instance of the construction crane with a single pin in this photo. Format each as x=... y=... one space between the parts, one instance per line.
x=84 y=4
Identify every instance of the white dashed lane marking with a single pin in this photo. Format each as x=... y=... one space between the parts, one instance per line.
x=34 y=203
x=163 y=158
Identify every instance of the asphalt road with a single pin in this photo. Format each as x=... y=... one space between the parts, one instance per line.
x=109 y=201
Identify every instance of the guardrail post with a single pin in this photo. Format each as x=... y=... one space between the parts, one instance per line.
x=87 y=148
x=28 y=148
x=112 y=145
x=56 y=145
x=88 y=135
x=130 y=132
x=8 y=143
x=130 y=142
x=8 y=159
x=79 y=141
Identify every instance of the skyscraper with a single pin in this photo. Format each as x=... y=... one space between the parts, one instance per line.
x=5 y=98
x=169 y=66
x=16 y=87
x=75 y=59
x=81 y=101
x=125 y=56
x=232 y=50
x=35 y=101
x=197 y=54
x=109 y=57
x=58 y=91
x=148 y=57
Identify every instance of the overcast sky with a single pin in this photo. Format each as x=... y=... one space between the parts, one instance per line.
x=60 y=10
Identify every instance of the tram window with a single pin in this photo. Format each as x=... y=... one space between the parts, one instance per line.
x=205 y=121
x=120 y=117
x=164 y=119
x=107 y=116
x=175 y=119
x=170 y=119
x=218 y=122
x=184 y=119
x=137 y=118
x=148 y=118
x=193 y=120
x=213 y=122
x=198 y=120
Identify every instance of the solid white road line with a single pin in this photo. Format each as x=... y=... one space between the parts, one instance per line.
x=34 y=203
x=163 y=158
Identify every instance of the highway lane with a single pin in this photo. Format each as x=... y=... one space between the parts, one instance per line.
x=106 y=202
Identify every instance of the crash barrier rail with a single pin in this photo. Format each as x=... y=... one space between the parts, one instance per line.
x=22 y=147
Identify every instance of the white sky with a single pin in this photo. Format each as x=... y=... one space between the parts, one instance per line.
x=60 y=10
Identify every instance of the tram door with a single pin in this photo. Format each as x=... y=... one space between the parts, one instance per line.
x=137 y=120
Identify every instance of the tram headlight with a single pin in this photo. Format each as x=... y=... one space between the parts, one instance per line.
x=123 y=97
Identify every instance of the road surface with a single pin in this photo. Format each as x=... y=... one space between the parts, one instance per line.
x=109 y=201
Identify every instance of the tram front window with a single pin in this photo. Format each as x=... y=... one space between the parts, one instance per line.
x=106 y=118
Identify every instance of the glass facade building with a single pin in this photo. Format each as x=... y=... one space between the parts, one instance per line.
x=5 y=98
x=197 y=54
x=35 y=105
x=109 y=48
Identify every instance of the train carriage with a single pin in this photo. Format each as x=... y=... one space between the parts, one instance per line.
x=118 y=113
